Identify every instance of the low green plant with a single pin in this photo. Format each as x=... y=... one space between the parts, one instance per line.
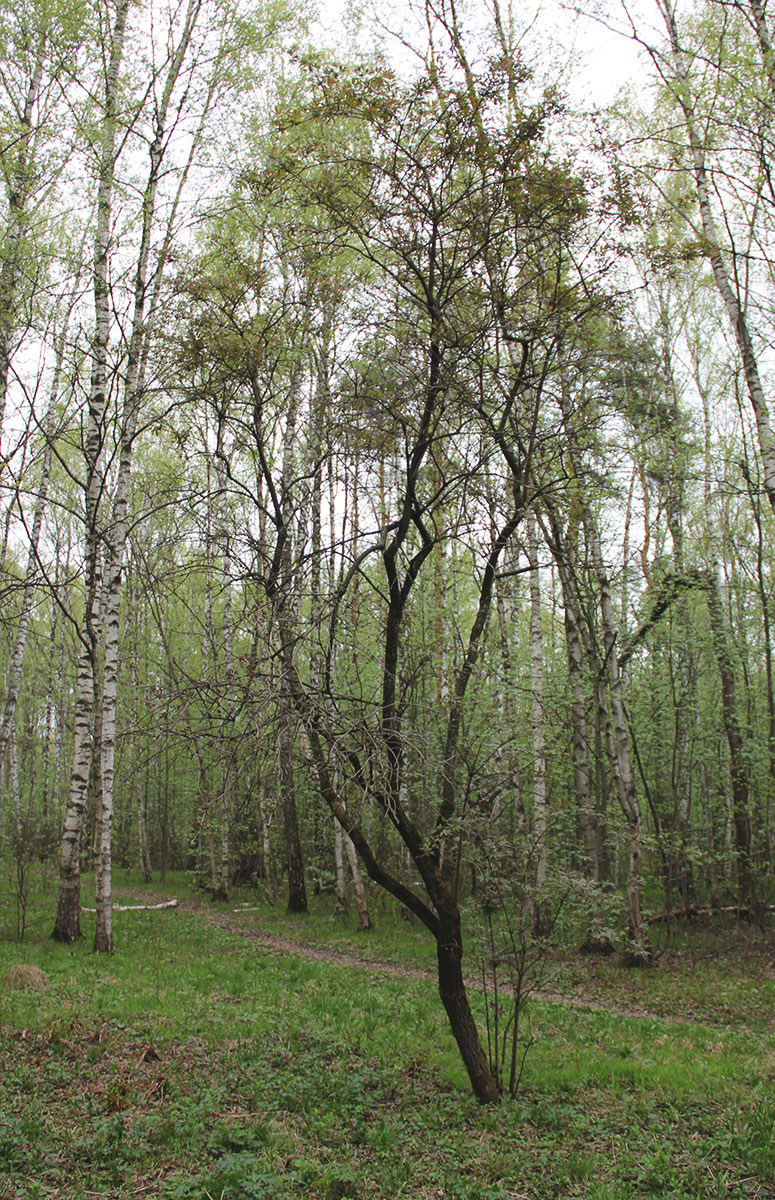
x=194 y=1064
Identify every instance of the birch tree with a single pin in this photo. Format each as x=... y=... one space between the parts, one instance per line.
x=67 y=927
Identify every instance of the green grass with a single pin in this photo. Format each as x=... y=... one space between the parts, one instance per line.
x=194 y=1064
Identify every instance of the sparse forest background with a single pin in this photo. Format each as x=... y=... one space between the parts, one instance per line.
x=387 y=476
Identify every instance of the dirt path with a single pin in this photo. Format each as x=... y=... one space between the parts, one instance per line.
x=230 y=923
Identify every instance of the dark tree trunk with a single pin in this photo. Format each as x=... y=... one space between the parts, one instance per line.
x=449 y=955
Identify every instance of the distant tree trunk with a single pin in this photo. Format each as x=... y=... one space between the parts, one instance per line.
x=19 y=183
x=285 y=615
x=266 y=852
x=297 y=892
x=143 y=855
x=31 y=573
x=341 y=890
x=621 y=761
x=765 y=602
x=582 y=775
x=13 y=765
x=361 y=905
x=618 y=736
x=578 y=647
x=537 y=722
x=222 y=890
x=741 y=820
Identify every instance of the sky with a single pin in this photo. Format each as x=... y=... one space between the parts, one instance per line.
x=596 y=59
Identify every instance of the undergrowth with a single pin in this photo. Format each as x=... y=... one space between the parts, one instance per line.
x=196 y=1064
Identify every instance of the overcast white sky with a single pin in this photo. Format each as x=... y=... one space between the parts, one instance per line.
x=603 y=60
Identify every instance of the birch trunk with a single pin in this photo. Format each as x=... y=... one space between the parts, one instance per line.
x=68 y=925
x=117 y=533
x=49 y=718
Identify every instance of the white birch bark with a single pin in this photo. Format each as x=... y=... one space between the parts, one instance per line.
x=57 y=788
x=68 y=926
x=13 y=763
x=117 y=534
x=49 y=717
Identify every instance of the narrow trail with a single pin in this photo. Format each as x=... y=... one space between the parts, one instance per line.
x=229 y=922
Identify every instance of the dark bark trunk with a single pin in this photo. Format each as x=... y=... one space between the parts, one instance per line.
x=449 y=955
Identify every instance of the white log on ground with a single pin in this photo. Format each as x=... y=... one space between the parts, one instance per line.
x=137 y=907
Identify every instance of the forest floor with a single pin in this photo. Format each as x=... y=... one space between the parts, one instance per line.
x=234 y=1055
x=597 y=988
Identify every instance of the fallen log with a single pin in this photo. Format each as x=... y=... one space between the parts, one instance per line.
x=136 y=907
x=693 y=913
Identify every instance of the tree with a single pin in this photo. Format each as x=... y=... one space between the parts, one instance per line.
x=728 y=138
